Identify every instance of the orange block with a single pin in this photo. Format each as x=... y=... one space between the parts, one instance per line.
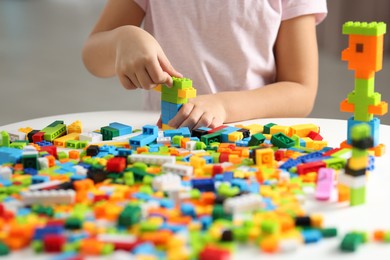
x=380 y=109
x=91 y=247
x=344 y=193
x=379 y=235
x=346 y=107
x=269 y=244
x=74 y=154
x=159 y=238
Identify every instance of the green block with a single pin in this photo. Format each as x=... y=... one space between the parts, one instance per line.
x=73 y=223
x=128 y=178
x=267 y=128
x=62 y=155
x=256 y=139
x=4 y=139
x=177 y=139
x=195 y=194
x=351 y=242
x=336 y=163
x=37 y=246
x=282 y=141
x=200 y=146
x=219 y=213
x=109 y=132
x=30 y=161
x=227 y=191
x=328 y=232
x=357 y=196
x=297 y=140
x=211 y=138
x=173 y=98
x=4 y=250
x=130 y=215
x=73 y=144
x=54 y=130
x=181 y=83
x=270 y=226
x=18 y=144
x=364 y=28
x=83 y=144
x=362 y=97
x=107 y=249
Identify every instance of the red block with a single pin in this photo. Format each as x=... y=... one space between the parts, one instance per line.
x=52 y=243
x=224 y=157
x=51 y=149
x=279 y=155
x=330 y=152
x=216 y=129
x=126 y=246
x=217 y=169
x=213 y=253
x=310 y=167
x=116 y=164
x=38 y=137
x=315 y=136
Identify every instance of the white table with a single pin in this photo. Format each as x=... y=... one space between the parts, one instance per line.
x=375 y=214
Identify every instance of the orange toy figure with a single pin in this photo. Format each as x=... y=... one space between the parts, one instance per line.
x=364 y=55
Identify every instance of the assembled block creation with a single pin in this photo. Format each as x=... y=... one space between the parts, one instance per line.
x=364 y=55
x=172 y=98
x=178 y=194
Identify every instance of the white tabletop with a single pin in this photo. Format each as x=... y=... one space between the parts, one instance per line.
x=374 y=214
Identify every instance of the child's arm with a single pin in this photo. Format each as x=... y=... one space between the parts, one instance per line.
x=292 y=95
x=117 y=46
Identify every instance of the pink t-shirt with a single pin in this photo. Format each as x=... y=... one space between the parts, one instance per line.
x=222 y=45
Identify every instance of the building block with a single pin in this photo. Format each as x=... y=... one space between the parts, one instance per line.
x=325 y=182
x=54 y=130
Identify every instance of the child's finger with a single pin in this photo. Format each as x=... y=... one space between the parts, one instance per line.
x=157 y=74
x=193 y=118
x=133 y=77
x=159 y=122
x=126 y=82
x=182 y=115
x=144 y=79
x=205 y=119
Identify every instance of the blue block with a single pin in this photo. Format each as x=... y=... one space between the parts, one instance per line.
x=209 y=159
x=44 y=143
x=141 y=140
x=311 y=235
x=167 y=203
x=65 y=256
x=185 y=131
x=172 y=132
x=188 y=209
x=371 y=163
x=10 y=155
x=254 y=187
x=144 y=249
x=225 y=133
x=6 y=183
x=30 y=171
x=196 y=139
x=123 y=129
x=241 y=184
x=206 y=222
x=73 y=237
x=150 y=130
x=228 y=176
x=41 y=232
x=39 y=179
x=124 y=152
x=203 y=184
x=374 y=124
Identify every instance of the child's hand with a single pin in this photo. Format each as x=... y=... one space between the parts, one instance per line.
x=206 y=110
x=141 y=62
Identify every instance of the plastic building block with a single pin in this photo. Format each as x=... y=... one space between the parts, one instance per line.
x=256 y=139
x=182 y=170
x=152 y=159
x=167 y=182
x=351 y=242
x=48 y=197
x=282 y=141
x=243 y=203
x=60 y=142
x=325 y=184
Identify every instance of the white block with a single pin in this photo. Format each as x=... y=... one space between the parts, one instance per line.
x=351 y=181
x=243 y=203
x=48 y=197
x=190 y=145
x=179 y=169
x=91 y=137
x=44 y=185
x=152 y=159
x=167 y=182
x=5 y=173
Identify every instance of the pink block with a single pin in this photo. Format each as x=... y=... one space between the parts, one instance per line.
x=325 y=178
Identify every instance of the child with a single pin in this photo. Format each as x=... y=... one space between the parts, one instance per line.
x=247 y=59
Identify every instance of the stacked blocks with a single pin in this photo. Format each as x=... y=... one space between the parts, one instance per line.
x=172 y=98
x=354 y=177
x=364 y=56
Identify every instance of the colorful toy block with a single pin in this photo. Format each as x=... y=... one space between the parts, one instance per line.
x=364 y=55
x=172 y=98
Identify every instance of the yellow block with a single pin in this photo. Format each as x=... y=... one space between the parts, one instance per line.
x=60 y=142
x=303 y=130
x=280 y=129
x=75 y=127
x=358 y=163
x=253 y=128
x=186 y=93
x=235 y=136
x=265 y=157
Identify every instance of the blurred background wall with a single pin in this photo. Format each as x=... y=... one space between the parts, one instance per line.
x=41 y=72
